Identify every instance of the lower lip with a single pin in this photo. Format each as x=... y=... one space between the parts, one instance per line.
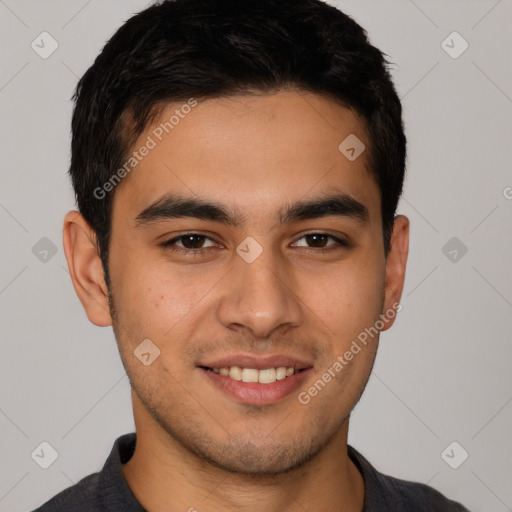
x=256 y=393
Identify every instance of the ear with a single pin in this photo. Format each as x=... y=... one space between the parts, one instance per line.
x=85 y=269
x=396 y=261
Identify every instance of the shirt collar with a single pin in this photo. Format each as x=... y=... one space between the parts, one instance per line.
x=112 y=484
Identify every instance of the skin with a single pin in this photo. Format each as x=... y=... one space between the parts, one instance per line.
x=197 y=448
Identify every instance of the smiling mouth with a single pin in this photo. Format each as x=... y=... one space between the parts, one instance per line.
x=253 y=375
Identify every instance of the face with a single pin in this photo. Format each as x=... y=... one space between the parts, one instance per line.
x=246 y=239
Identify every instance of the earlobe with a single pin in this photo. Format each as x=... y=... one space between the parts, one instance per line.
x=85 y=269
x=396 y=263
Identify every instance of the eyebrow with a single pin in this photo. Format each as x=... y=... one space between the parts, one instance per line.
x=173 y=206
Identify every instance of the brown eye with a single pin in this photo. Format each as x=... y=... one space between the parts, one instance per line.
x=192 y=241
x=188 y=243
x=320 y=241
x=317 y=240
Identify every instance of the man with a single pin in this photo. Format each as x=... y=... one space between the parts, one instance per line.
x=237 y=167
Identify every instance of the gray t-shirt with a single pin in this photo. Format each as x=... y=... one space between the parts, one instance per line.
x=108 y=491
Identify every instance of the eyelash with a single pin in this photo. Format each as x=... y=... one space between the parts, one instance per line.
x=168 y=245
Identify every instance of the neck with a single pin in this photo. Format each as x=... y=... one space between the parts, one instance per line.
x=165 y=476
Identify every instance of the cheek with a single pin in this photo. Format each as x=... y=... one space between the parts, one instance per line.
x=348 y=299
x=159 y=300
x=350 y=303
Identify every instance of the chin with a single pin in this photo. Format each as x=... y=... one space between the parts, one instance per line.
x=246 y=458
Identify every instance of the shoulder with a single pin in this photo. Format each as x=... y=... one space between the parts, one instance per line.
x=385 y=493
x=421 y=497
x=77 y=498
x=101 y=491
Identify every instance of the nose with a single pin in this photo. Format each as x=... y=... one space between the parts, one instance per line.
x=261 y=297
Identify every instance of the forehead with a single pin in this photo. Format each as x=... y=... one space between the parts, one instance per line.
x=251 y=152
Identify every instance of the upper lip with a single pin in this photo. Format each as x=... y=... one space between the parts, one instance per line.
x=257 y=362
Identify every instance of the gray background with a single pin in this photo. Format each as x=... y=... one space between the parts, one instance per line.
x=443 y=371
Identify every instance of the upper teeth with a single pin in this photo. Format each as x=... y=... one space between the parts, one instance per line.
x=266 y=376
